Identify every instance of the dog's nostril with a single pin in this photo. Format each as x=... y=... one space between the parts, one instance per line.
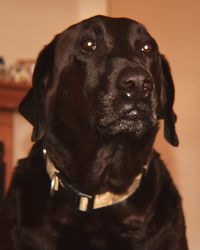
x=147 y=86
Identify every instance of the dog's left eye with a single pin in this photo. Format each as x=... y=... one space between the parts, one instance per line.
x=88 y=45
x=147 y=48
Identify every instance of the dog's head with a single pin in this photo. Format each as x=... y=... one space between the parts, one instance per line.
x=104 y=75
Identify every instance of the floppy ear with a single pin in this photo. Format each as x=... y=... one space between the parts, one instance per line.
x=167 y=104
x=32 y=106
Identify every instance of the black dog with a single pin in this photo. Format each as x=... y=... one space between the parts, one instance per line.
x=92 y=180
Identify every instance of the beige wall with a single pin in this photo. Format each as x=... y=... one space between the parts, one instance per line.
x=176 y=26
x=26 y=26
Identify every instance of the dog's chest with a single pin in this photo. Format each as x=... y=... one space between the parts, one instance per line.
x=104 y=240
x=100 y=234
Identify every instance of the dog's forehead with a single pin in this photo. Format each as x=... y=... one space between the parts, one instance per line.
x=113 y=26
x=109 y=22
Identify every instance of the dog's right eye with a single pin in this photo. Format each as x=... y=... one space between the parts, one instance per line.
x=88 y=45
x=146 y=48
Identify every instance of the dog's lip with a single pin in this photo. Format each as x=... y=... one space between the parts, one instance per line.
x=134 y=114
x=127 y=112
x=131 y=112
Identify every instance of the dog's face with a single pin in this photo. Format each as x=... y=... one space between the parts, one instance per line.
x=104 y=75
x=109 y=77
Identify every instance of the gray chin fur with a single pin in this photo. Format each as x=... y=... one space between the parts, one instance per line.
x=136 y=127
x=127 y=118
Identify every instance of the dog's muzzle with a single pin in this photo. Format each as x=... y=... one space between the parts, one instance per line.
x=129 y=105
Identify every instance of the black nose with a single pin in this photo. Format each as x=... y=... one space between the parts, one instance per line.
x=135 y=81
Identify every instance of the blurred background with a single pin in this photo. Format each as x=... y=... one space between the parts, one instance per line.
x=26 y=26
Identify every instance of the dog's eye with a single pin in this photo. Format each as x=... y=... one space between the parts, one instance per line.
x=88 y=45
x=147 y=48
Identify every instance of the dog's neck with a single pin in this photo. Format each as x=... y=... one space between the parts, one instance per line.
x=97 y=166
x=87 y=202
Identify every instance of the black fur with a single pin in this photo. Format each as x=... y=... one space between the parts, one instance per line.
x=99 y=90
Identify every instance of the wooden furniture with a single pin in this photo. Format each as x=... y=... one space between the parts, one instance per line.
x=2 y=172
x=11 y=94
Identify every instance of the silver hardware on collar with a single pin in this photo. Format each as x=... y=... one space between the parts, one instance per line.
x=55 y=183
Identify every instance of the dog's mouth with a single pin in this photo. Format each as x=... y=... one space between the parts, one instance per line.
x=128 y=118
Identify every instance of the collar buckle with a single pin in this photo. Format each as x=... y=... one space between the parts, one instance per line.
x=85 y=203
